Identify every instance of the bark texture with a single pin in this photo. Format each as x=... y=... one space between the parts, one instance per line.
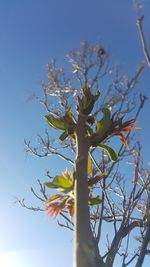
x=86 y=253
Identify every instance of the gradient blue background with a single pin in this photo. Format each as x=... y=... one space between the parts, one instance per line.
x=31 y=32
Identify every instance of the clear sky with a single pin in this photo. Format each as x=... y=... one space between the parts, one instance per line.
x=31 y=32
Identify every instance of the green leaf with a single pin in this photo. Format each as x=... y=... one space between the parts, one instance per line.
x=60 y=183
x=63 y=136
x=98 y=126
x=68 y=115
x=104 y=124
x=111 y=153
x=89 y=165
x=95 y=201
x=55 y=123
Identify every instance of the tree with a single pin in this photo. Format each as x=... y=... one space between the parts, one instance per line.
x=96 y=192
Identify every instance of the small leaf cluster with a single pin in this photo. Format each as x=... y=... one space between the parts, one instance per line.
x=65 y=184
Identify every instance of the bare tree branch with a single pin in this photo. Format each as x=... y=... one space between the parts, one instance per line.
x=143 y=41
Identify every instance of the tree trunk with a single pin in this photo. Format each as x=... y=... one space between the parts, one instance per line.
x=146 y=240
x=86 y=252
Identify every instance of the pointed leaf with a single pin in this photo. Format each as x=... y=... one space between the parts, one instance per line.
x=89 y=165
x=60 y=183
x=111 y=153
x=55 y=122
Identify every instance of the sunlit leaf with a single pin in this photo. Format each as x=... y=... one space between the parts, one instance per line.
x=55 y=122
x=111 y=153
x=60 y=183
x=89 y=165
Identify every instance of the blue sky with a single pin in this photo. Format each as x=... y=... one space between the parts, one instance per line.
x=31 y=33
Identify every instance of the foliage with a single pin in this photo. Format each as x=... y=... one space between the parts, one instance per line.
x=106 y=104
